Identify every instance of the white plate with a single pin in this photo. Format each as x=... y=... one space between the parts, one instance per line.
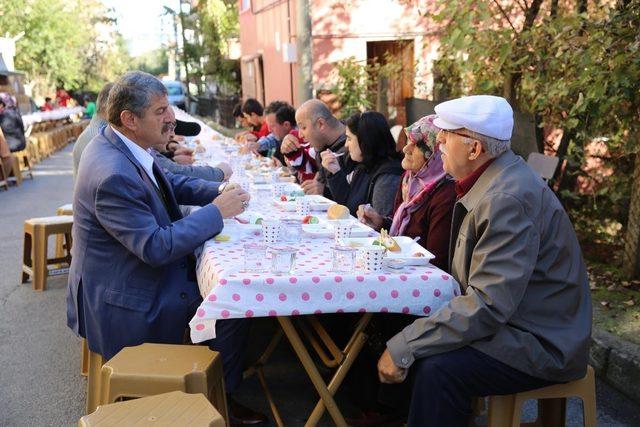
x=324 y=228
x=246 y=218
x=407 y=249
x=318 y=203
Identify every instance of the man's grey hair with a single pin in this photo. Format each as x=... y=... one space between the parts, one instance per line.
x=133 y=92
x=494 y=147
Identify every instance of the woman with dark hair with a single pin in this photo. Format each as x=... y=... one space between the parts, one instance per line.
x=377 y=172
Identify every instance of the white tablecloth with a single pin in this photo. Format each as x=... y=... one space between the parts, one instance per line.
x=57 y=114
x=229 y=292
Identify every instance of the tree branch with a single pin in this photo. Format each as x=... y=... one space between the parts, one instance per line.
x=505 y=15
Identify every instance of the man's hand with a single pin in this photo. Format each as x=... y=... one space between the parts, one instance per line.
x=367 y=215
x=182 y=150
x=289 y=144
x=183 y=159
x=312 y=186
x=388 y=372
x=330 y=161
x=230 y=203
x=226 y=168
x=252 y=146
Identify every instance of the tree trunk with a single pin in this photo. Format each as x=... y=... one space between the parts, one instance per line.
x=631 y=256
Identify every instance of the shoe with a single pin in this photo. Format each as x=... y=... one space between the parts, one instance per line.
x=240 y=415
x=372 y=418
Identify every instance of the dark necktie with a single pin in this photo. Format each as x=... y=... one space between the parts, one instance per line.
x=163 y=193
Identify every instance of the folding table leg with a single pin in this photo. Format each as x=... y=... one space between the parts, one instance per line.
x=351 y=351
x=312 y=371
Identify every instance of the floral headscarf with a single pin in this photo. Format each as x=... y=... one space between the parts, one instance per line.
x=8 y=100
x=418 y=186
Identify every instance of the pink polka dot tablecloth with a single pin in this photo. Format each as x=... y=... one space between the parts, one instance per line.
x=229 y=292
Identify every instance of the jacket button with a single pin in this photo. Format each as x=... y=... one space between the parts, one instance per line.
x=405 y=360
x=183 y=295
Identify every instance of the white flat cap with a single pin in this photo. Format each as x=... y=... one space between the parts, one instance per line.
x=485 y=114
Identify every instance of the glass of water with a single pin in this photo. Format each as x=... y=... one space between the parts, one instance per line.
x=283 y=259
x=343 y=259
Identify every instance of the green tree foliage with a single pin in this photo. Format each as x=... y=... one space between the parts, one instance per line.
x=154 y=62
x=575 y=67
x=212 y=22
x=67 y=42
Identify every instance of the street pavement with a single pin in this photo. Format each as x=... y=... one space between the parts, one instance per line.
x=40 y=381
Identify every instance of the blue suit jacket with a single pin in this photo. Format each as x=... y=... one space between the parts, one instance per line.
x=129 y=280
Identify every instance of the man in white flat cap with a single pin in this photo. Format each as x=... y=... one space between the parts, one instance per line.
x=523 y=319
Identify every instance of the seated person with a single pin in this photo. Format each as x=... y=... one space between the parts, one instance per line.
x=11 y=123
x=377 y=167
x=221 y=172
x=132 y=278
x=48 y=105
x=281 y=119
x=89 y=107
x=523 y=320
x=425 y=197
x=5 y=155
x=253 y=111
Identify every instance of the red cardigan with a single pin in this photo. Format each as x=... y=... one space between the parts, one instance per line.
x=432 y=222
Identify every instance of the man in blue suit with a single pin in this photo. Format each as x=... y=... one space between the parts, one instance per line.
x=132 y=277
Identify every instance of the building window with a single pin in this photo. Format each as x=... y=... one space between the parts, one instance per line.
x=245 y=5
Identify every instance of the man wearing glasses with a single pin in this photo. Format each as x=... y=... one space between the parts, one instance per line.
x=523 y=319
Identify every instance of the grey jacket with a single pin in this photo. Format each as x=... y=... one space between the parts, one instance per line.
x=203 y=172
x=83 y=140
x=525 y=299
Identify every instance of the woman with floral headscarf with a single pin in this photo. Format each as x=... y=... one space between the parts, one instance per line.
x=424 y=201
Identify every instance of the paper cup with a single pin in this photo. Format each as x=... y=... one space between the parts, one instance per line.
x=372 y=257
x=341 y=229
x=303 y=206
x=279 y=189
x=271 y=231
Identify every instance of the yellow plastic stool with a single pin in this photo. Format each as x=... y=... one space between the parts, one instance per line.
x=504 y=411
x=150 y=369
x=167 y=410
x=35 y=260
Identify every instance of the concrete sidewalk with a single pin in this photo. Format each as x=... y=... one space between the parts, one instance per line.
x=40 y=381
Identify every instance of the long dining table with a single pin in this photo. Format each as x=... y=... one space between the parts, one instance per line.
x=228 y=291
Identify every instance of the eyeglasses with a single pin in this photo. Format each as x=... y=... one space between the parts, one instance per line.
x=458 y=133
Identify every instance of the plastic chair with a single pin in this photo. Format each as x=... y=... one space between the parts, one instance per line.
x=167 y=409
x=543 y=164
x=504 y=411
x=35 y=259
x=150 y=369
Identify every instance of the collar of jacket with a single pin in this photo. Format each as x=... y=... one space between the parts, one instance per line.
x=114 y=139
x=473 y=196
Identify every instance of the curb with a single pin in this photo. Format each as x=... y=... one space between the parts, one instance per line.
x=617 y=362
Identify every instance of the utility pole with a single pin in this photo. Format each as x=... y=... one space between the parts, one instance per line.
x=305 y=53
x=184 y=49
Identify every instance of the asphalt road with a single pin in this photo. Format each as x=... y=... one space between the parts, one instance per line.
x=40 y=381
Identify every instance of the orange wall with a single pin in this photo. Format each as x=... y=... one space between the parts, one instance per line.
x=340 y=29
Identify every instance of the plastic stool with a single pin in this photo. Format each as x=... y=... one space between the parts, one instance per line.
x=505 y=410
x=35 y=256
x=169 y=409
x=150 y=369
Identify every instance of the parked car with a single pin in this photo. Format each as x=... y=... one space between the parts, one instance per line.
x=177 y=92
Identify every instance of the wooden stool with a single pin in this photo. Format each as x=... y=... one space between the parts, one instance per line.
x=60 y=246
x=168 y=409
x=15 y=170
x=93 y=380
x=24 y=164
x=150 y=369
x=504 y=411
x=4 y=183
x=35 y=260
